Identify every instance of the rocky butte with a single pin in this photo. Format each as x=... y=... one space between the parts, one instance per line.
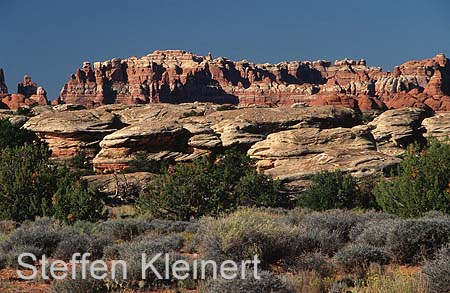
x=175 y=76
x=28 y=94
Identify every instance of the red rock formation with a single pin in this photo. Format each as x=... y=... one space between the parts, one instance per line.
x=177 y=76
x=28 y=94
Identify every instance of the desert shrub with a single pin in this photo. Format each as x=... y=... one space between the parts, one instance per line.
x=31 y=187
x=122 y=229
x=226 y=108
x=358 y=257
x=141 y=163
x=193 y=113
x=98 y=245
x=334 y=221
x=152 y=244
x=332 y=229
x=437 y=271
x=436 y=215
x=311 y=261
x=26 y=182
x=250 y=232
x=295 y=216
x=14 y=136
x=134 y=271
x=310 y=281
x=87 y=285
x=324 y=241
x=335 y=190
x=374 y=232
x=81 y=163
x=74 y=200
x=72 y=244
x=43 y=237
x=166 y=226
x=379 y=280
x=3 y=261
x=13 y=254
x=412 y=240
x=24 y=111
x=85 y=227
x=7 y=226
x=422 y=183
x=112 y=251
x=210 y=186
x=268 y=282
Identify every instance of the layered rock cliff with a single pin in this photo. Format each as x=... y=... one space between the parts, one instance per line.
x=175 y=76
x=289 y=143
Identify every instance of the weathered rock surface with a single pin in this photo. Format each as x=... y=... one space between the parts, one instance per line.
x=166 y=132
x=176 y=76
x=393 y=130
x=68 y=132
x=438 y=126
x=294 y=155
x=13 y=118
x=289 y=143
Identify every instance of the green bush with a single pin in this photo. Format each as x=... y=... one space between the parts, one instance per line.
x=142 y=164
x=79 y=161
x=336 y=190
x=25 y=111
x=74 y=200
x=27 y=182
x=30 y=186
x=12 y=135
x=422 y=184
x=210 y=186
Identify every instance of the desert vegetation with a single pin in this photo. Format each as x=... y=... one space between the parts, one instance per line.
x=295 y=247
x=343 y=234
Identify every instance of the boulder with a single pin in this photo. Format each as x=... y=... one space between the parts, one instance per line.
x=293 y=156
x=437 y=126
x=393 y=130
x=69 y=132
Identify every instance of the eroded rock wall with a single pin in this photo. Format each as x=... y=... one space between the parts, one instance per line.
x=176 y=76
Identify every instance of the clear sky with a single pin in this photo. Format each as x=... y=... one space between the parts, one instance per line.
x=49 y=39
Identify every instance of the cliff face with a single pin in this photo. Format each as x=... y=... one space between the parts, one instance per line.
x=175 y=76
x=288 y=143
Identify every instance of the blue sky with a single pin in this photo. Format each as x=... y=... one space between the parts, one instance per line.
x=49 y=39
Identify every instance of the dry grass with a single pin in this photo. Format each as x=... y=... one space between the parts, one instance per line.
x=393 y=280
